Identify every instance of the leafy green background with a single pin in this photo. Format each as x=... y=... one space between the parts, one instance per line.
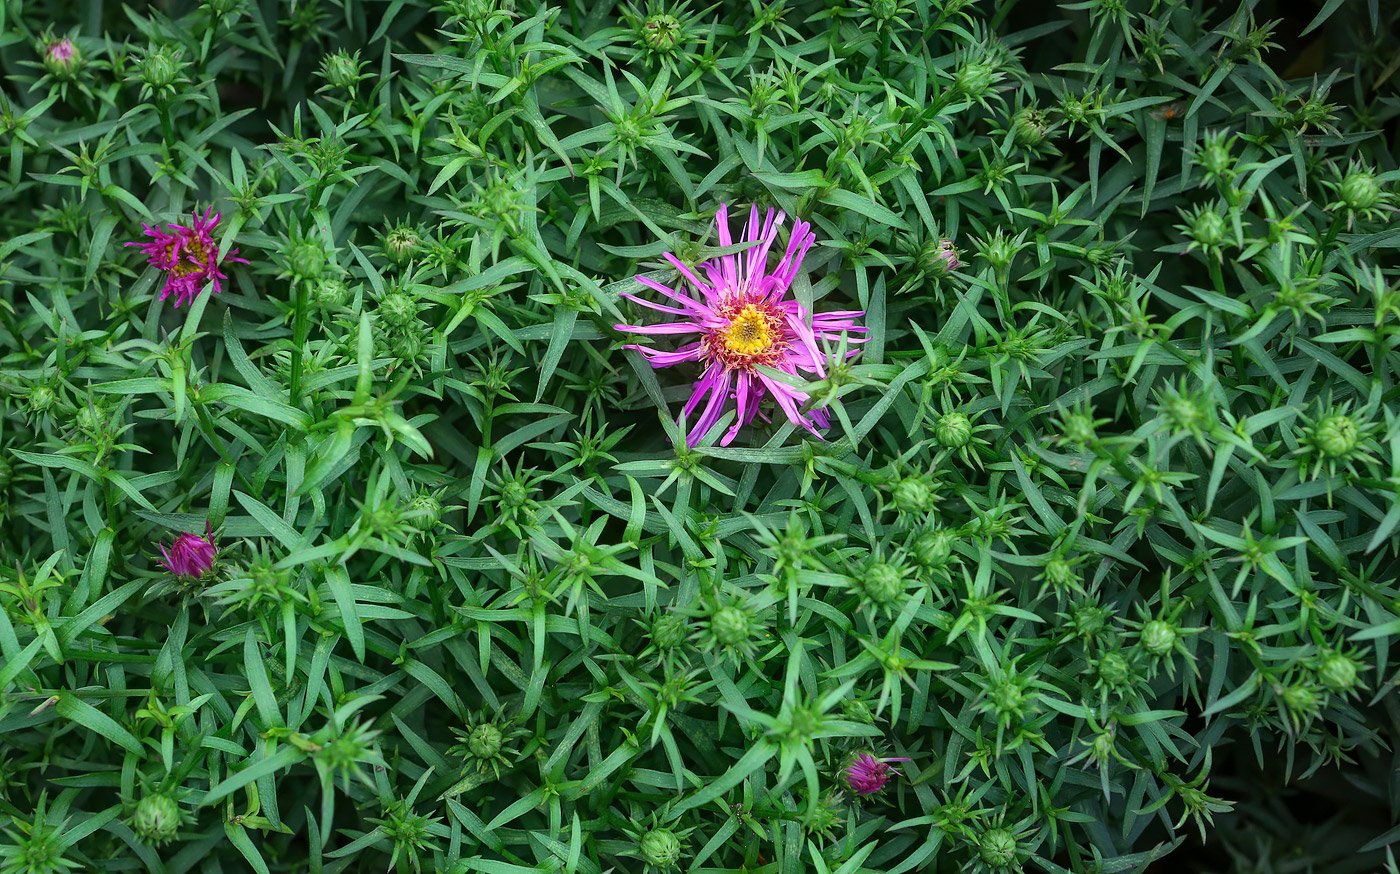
x=1103 y=539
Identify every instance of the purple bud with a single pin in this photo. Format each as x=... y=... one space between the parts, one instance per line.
x=190 y=557
x=61 y=58
x=868 y=775
x=61 y=51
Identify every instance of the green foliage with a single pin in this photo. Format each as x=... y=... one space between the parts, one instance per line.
x=1104 y=537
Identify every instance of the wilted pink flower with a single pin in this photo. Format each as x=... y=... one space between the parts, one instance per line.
x=868 y=775
x=743 y=320
x=190 y=557
x=61 y=51
x=188 y=255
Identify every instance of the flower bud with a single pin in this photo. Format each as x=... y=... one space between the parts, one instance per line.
x=731 y=625
x=857 y=710
x=938 y=258
x=425 y=511
x=867 y=775
x=474 y=111
x=89 y=421
x=997 y=848
x=660 y=848
x=189 y=558
x=341 y=70
x=62 y=58
x=1215 y=158
x=660 y=32
x=1029 y=127
x=1208 y=228
x=1101 y=747
x=953 y=430
x=1158 y=637
x=1060 y=573
x=883 y=13
x=41 y=399
x=220 y=8
x=933 y=548
x=882 y=582
x=1186 y=411
x=156 y=819
x=1337 y=673
x=668 y=631
x=306 y=259
x=823 y=818
x=401 y=243
x=485 y=741
x=1114 y=671
x=999 y=249
x=330 y=295
x=1337 y=435
x=1089 y=619
x=1301 y=701
x=161 y=67
x=1359 y=190
x=975 y=78
x=267 y=578
x=398 y=309
x=1078 y=428
x=912 y=495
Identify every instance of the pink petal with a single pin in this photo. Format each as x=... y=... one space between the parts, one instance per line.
x=798 y=326
x=663 y=328
x=682 y=299
x=707 y=420
x=667 y=359
x=788 y=398
x=686 y=272
x=747 y=400
x=675 y=311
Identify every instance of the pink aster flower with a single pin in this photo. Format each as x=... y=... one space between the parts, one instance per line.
x=868 y=775
x=188 y=255
x=190 y=557
x=739 y=317
x=61 y=51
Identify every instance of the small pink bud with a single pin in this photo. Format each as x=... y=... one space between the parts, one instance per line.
x=949 y=254
x=62 y=51
x=190 y=557
x=868 y=775
x=61 y=57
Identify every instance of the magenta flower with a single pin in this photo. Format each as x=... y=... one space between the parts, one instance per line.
x=61 y=51
x=188 y=255
x=740 y=318
x=868 y=775
x=190 y=557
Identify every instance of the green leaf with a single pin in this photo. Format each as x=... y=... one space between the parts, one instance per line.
x=842 y=199
x=71 y=707
x=759 y=754
x=284 y=758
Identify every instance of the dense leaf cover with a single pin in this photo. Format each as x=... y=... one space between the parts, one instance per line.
x=1096 y=563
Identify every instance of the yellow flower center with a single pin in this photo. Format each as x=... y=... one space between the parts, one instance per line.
x=749 y=332
x=196 y=255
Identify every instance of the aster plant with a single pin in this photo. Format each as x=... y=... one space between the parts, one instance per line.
x=1109 y=542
